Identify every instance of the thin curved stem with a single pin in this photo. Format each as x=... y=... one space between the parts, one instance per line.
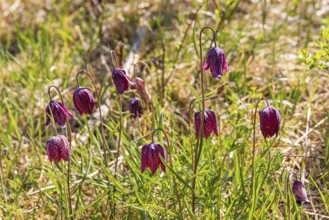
x=288 y=190
x=113 y=57
x=1 y=167
x=140 y=62
x=171 y=165
x=3 y=179
x=288 y=197
x=253 y=154
x=70 y=144
x=292 y=173
x=58 y=92
x=120 y=133
x=118 y=152
x=69 y=167
x=200 y=137
x=99 y=108
x=190 y=109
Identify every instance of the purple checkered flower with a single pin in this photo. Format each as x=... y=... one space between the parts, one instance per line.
x=216 y=62
x=269 y=121
x=58 y=111
x=210 y=123
x=84 y=101
x=150 y=157
x=58 y=149
x=121 y=80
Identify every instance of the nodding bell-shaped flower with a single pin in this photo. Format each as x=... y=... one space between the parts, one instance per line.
x=299 y=192
x=269 y=121
x=151 y=157
x=58 y=149
x=58 y=111
x=121 y=80
x=216 y=62
x=210 y=123
x=135 y=107
x=141 y=89
x=84 y=101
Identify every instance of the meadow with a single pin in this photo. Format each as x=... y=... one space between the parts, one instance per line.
x=277 y=51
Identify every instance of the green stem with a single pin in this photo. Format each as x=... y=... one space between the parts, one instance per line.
x=69 y=168
x=118 y=153
x=200 y=137
x=120 y=133
x=288 y=193
x=253 y=191
x=70 y=144
x=171 y=165
x=104 y=144
x=3 y=180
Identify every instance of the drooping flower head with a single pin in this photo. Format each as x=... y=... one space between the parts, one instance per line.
x=135 y=107
x=216 y=62
x=141 y=89
x=299 y=192
x=58 y=111
x=84 y=101
x=210 y=123
x=121 y=80
x=150 y=157
x=58 y=149
x=269 y=121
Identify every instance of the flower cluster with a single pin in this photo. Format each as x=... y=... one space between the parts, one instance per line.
x=153 y=155
x=84 y=102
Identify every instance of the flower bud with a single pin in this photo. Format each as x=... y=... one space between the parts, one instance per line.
x=58 y=148
x=58 y=111
x=135 y=107
x=299 y=192
x=216 y=61
x=210 y=123
x=269 y=121
x=141 y=89
x=84 y=101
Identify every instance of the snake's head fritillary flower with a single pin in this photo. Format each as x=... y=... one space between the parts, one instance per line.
x=269 y=121
x=84 y=101
x=150 y=157
x=121 y=80
x=299 y=192
x=216 y=62
x=210 y=123
x=141 y=89
x=135 y=107
x=58 y=149
x=58 y=111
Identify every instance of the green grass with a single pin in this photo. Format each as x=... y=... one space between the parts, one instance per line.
x=44 y=45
